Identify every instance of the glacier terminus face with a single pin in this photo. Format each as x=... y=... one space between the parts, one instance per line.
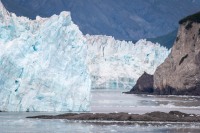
x=42 y=64
x=46 y=64
x=115 y=64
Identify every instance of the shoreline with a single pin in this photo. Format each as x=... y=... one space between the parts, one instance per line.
x=172 y=116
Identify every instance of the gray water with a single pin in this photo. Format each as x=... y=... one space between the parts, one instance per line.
x=109 y=101
x=115 y=101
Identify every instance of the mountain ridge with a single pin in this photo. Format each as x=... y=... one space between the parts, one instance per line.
x=125 y=20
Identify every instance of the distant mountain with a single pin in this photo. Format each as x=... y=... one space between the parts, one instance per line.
x=123 y=19
x=166 y=40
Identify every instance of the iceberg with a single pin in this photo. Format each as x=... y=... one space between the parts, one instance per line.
x=42 y=64
x=115 y=64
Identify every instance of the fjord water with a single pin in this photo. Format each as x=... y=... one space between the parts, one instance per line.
x=115 y=101
x=109 y=101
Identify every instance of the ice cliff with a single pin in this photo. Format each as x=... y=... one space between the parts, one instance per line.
x=42 y=64
x=117 y=64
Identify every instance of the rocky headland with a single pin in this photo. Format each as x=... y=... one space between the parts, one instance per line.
x=180 y=72
x=144 y=85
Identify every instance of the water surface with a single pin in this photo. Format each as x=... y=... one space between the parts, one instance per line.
x=114 y=101
x=109 y=101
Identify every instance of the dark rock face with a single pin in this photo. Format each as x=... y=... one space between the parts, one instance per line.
x=180 y=73
x=144 y=84
x=172 y=116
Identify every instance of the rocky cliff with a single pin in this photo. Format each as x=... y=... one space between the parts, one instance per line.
x=180 y=73
x=144 y=85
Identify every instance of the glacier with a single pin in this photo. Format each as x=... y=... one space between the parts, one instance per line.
x=47 y=64
x=42 y=64
x=115 y=64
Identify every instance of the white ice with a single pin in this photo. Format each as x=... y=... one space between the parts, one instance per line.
x=42 y=64
x=115 y=64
